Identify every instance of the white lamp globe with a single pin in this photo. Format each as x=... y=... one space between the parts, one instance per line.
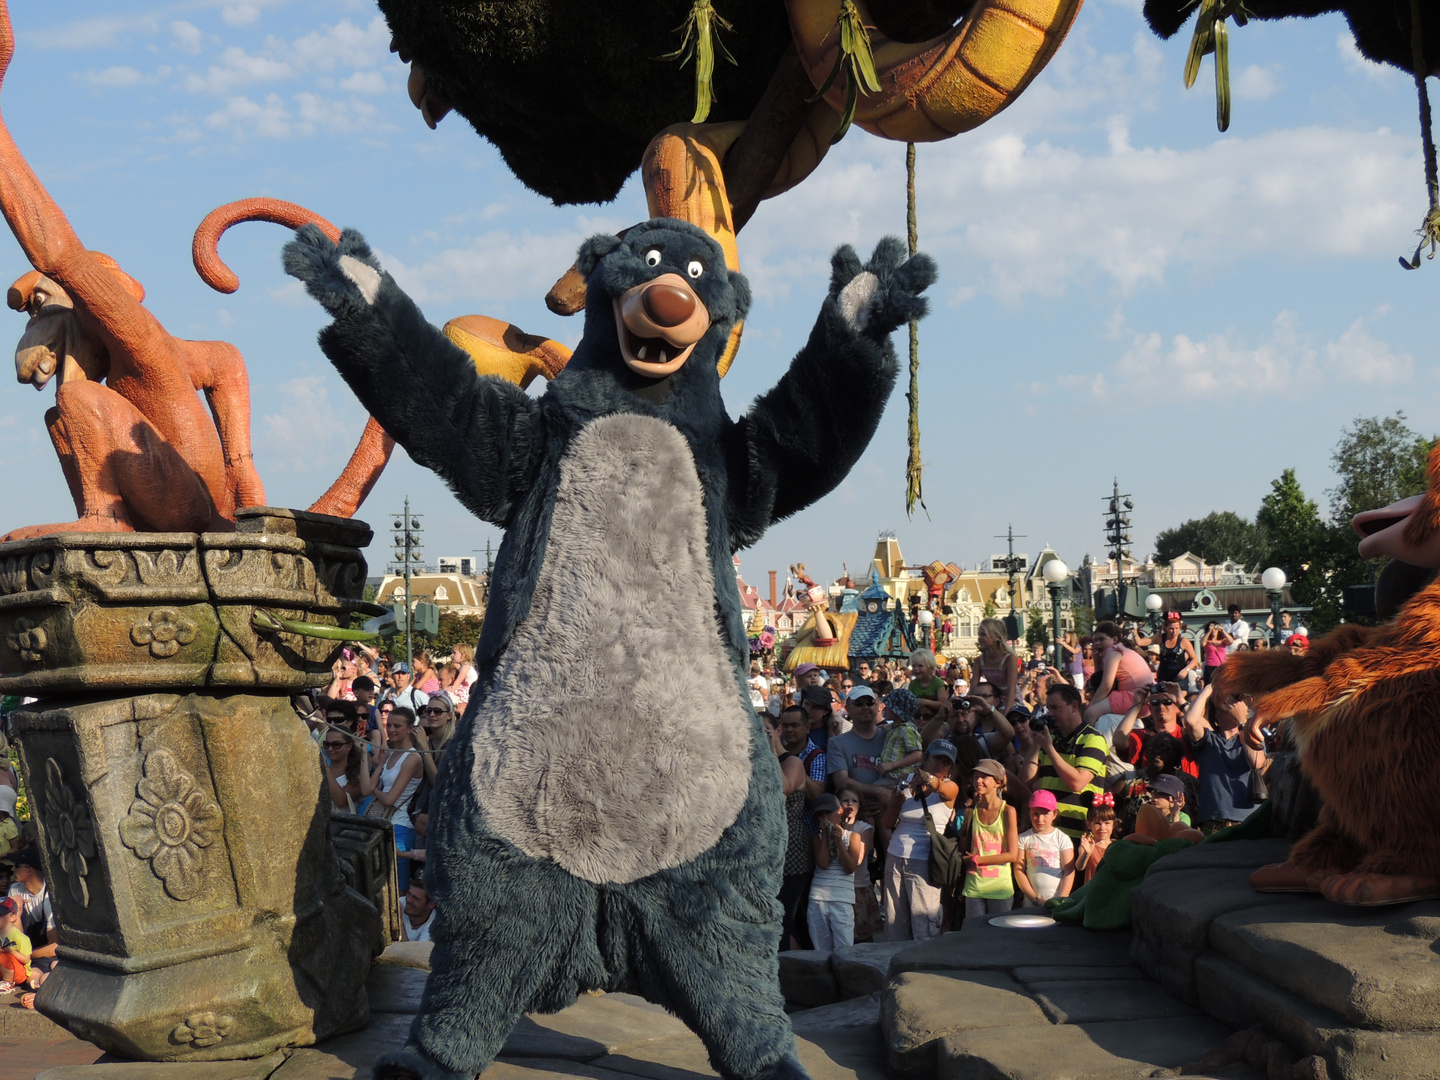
x=1273 y=579
x=926 y=618
x=1302 y=632
x=1055 y=572
x=1154 y=602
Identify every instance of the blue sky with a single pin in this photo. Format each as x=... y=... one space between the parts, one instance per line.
x=1124 y=292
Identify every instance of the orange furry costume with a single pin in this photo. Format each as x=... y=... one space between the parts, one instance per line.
x=1364 y=708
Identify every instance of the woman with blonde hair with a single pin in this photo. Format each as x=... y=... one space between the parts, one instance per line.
x=997 y=663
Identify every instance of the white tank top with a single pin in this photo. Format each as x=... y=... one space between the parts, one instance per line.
x=911 y=840
x=388 y=776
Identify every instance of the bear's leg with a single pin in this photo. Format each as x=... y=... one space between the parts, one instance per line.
x=1323 y=852
x=490 y=965
x=717 y=970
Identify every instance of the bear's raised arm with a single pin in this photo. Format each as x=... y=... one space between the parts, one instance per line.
x=478 y=433
x=801 y=438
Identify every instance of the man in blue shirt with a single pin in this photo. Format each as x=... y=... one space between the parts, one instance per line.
x=1226 y=747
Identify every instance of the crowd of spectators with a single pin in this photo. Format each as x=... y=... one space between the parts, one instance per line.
x=1034 y=770
x=382 y=729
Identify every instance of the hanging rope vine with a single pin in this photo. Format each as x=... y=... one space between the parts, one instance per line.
x=699 y=44
x=913 y=468
x=855 y=60
x=1429 y=231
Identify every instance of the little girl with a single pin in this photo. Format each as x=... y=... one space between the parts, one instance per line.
x=989 y=886
x=1099 y=827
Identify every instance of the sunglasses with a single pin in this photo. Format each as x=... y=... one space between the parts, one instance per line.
x=335 y=745
x=434 y=712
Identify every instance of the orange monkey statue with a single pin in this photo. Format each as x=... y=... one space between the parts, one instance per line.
x=1363 y=705
x=137 y=448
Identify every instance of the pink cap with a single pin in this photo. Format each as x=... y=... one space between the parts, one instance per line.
x=1043 y=800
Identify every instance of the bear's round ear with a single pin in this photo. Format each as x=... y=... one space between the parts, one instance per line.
x=741 y=286
x=593 y=250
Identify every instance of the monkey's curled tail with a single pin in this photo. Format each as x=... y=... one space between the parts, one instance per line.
x=373 y=452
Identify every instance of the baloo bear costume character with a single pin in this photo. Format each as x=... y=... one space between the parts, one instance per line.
x=610 y=813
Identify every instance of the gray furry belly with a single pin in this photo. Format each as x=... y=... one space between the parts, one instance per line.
x=613 y=740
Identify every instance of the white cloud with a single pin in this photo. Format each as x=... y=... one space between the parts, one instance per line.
x=1357 y=62
x=1284 y=362
x=1016 y=215
x=300 y=437
x=114 y=76
x=365 y=82
x=187 y=37
x=341 y=46
x=239 y=14
x=98 y=33
x=238 y=68
x=493 y=267
x=1358 y=357
x=302 y=115
x=1255 y=83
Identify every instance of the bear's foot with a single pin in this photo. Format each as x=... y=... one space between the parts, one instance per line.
x=787 y=1068
x=1377 y=890
x=1285 y=878
x=412 y=1064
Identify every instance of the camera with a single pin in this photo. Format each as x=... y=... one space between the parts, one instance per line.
x=1040 y=723
x=964 y=704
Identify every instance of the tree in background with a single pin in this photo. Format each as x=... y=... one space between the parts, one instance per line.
x=1377 y=459
x=1220 y=535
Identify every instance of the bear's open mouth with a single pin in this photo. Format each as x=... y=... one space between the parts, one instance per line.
x=651 y=350
x=650 y=354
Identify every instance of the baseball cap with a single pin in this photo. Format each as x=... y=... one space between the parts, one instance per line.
x=860 y=692
x=941 y=748
x=9 y=906
x=1299 y=639
x=1043 y=800
x=29 y=856
x=825 y=804
x=400 y=669
x=1018 y=709
x=816 y=695
x=805 y=669
x=1166 y=784
x=7 y=799
x=990 y=767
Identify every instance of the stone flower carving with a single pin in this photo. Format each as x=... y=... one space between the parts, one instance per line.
x=202 y=1029
x=164 y=630
x=68 y=831
x=171 y=824
x=28 y=640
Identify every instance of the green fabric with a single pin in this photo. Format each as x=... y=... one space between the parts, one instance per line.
x=903 y=740
x=1104 y=902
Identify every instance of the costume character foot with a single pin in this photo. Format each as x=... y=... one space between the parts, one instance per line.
x=608 y=814
x=1378 y=890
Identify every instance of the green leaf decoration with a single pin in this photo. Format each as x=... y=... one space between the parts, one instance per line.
x=856 y=61
x=1213 y=36
x=701 y=39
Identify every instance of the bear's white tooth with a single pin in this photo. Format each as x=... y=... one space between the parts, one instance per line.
x=641 y=354
x=662 y=355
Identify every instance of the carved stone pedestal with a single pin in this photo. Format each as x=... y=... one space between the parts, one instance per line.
x=201 y=909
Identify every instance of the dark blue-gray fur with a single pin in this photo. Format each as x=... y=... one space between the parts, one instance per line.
x=518 y=933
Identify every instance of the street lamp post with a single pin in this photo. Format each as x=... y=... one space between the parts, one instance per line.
x=926 y=620
x=1274 y=581
x=1153 y=603
x=1055 y=573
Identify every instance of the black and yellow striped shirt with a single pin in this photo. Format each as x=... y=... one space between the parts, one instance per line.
x=1085 y=748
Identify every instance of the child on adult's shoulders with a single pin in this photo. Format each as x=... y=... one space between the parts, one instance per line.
x=14 y=946
x=1047 y=857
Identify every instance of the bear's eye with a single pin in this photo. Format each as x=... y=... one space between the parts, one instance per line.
x=695 y=268
x=652 y=257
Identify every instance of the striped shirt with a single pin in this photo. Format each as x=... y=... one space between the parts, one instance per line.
x=1084 y=749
